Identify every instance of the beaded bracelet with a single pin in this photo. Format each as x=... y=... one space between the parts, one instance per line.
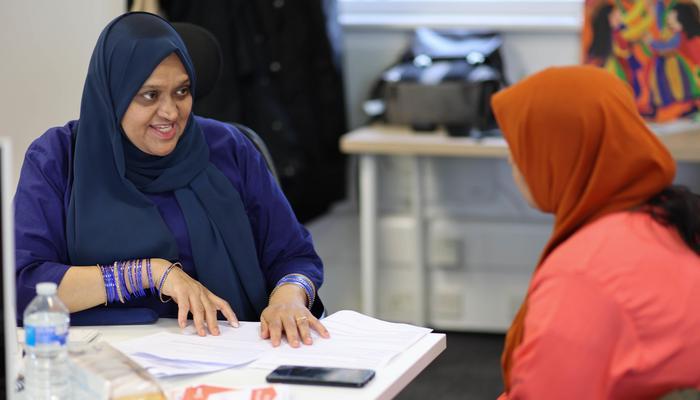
x=122 y=278
x=126 y=279
x=139 y=278
x=301 y=281
x=149 y=272
x=308 y=286
x=162 y=280
x=111 y=283
x=129 y=268
x=110 y=288
x=115 y=280
x=117 y=285
x=310 y=298
x=136 y=289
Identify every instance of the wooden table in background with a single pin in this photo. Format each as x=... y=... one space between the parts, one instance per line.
x=682 y=139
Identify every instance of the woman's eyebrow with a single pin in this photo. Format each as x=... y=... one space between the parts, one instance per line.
x=185 y=81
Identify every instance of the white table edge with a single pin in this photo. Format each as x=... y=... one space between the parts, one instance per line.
x=423 y=352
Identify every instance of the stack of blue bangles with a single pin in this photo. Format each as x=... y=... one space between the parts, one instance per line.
x=115 y=277
x=116 y=274
x=301 y=281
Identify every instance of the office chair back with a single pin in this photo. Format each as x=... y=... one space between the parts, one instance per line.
x=205 y=53
x=207 y=58
x=260 y=145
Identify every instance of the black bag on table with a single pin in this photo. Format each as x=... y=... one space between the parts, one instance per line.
x=446 y=78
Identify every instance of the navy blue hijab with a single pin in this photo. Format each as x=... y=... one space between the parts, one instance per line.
x=110 y=217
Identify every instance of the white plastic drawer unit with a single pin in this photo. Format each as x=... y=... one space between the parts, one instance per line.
x=482 y=242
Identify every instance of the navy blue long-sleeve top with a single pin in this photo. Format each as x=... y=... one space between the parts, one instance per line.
x=283 y=245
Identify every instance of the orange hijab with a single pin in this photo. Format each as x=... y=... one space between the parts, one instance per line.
x=583 y=150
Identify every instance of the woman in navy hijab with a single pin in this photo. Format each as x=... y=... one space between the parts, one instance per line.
x=139 y=202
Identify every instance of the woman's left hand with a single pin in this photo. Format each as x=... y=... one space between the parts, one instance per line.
x=287 y=313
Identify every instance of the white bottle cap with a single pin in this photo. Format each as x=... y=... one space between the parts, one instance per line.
x=46 y=288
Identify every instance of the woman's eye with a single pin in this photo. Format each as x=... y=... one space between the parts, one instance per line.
x=183 y=91
x=151 y=95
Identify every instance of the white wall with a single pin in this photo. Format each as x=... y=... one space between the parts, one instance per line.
x=45 y=47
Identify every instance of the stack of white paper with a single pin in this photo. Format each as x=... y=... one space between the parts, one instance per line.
x=169 y=354
x=356 y=341
x=163 y=367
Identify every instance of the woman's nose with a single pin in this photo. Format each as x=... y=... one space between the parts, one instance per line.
x=168 y=108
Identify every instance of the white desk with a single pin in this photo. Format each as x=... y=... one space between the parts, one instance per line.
x=369 y=143
x=387 y=383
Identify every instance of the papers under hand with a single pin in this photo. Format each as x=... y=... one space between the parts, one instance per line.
x=356 y=341
x=162 y=367
x=169 y=354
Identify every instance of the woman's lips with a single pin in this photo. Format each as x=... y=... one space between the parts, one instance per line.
x=164 y=132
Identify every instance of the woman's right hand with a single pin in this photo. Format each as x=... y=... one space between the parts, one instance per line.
x=192 y=297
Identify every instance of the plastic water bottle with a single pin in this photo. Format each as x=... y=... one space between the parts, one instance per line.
x=46 y=321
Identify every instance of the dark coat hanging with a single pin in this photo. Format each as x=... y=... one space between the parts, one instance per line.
x=279 y=79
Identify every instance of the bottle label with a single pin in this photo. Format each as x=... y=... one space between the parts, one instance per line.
x=44 y=335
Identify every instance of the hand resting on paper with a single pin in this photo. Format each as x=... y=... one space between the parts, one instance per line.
x=192 y=297
x=287 y=313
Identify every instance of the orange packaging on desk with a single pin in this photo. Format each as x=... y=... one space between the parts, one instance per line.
x=206 y=392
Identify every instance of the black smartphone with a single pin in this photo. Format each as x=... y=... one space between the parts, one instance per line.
x=349 y=377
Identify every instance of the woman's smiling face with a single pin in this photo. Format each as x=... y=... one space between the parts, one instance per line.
x=157 y=115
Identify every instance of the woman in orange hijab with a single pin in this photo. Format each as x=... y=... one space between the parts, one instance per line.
x=612 y=308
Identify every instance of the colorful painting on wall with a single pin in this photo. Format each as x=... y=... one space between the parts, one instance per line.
x=654 y=45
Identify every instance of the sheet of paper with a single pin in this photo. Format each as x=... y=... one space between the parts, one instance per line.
x=169 y=354
x=357 y=341
x=162 y=368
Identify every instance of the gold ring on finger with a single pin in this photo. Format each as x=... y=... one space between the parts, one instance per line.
x=302 y=319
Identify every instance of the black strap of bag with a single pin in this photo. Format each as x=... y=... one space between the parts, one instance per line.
x=437 y=57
